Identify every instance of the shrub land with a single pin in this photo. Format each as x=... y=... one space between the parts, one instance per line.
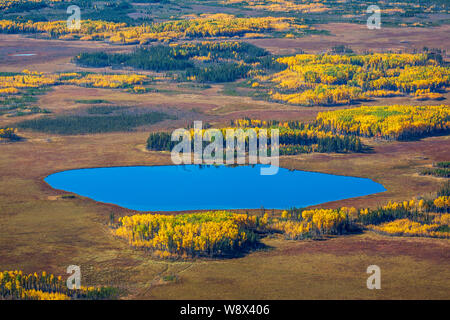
x=77 y=124
x=440 y=169
x=18 y=91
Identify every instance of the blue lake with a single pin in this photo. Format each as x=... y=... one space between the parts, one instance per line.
x=191 y=187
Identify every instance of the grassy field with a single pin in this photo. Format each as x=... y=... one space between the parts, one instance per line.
x=43 y=231
x=46 y=229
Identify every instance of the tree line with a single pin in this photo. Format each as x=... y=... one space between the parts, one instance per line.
x=203 y=62
x=290 y=144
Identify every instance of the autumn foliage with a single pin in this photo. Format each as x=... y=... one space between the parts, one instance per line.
x=9 y=134
x=12 y=84
x=329 y=79
x=227 y=234
x=16 y=285
x=315 y=223
x=209 y=234
x=202 y=26
x=416 y=217
x=294 y=137
x=390 y=122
